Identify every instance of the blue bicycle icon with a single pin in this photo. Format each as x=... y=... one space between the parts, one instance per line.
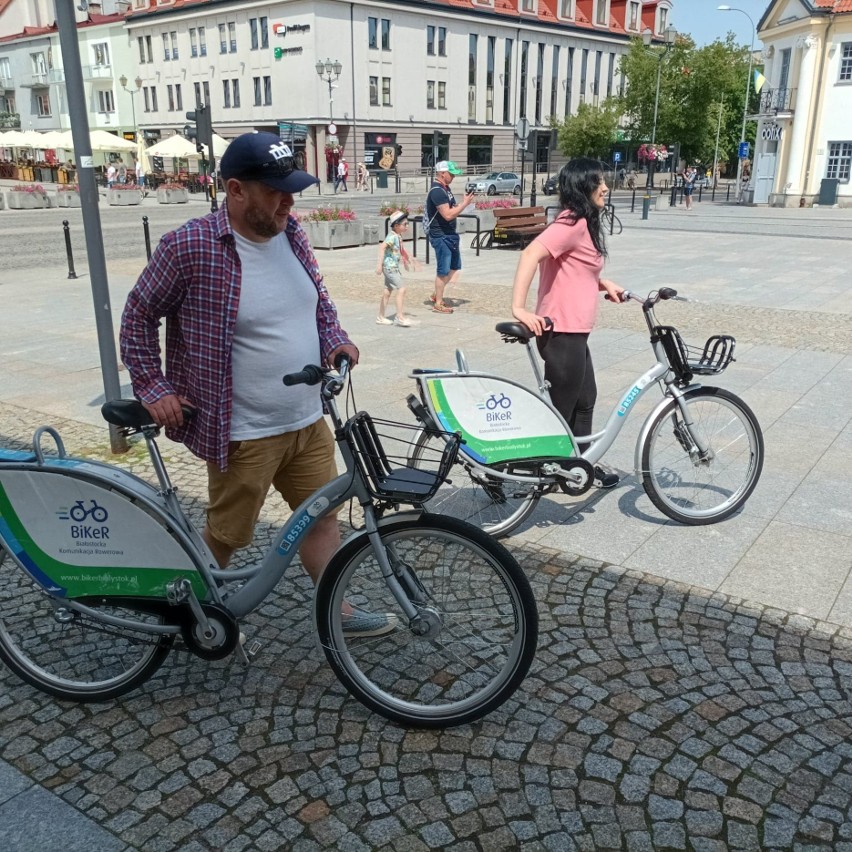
x=79 y=512
x=493 y=401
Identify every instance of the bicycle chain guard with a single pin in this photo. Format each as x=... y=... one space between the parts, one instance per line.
x=225 y=632
x=583 y=470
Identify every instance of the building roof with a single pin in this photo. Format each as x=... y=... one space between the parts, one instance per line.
x=833 y=5
x=94 y=20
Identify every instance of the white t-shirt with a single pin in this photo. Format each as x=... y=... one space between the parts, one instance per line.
x=111 y=173
x=275 y=333
x=139 y=170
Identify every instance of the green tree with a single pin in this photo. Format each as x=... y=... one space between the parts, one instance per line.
x=693 y=81
x=591 y=132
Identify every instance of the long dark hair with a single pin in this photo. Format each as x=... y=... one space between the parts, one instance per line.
x=578 y=181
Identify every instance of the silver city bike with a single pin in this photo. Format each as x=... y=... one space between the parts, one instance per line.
x=699 y=453
x=100 y=573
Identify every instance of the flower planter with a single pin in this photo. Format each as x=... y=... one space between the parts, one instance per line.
x=334 y=234
x=172 y=196
x=68 y=199
x=123 y=197
x=27 y=200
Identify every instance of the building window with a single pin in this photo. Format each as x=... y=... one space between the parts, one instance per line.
x=374 y=91
x=154 y=106
x=178 y=97
x=106 y=101
x=141 y=41
x=428 y=156
x=663 y=15
x=174 y=44
x=489 y=79
x=206 y=87
x=223 y=40
x=146 y=99
x=148 y=48
x=264 y=32
x=839 y=161
x=471 y=77
x=256 y=81
x=197 y=94
x=43 y=105
x=554 y=80
x=430 y=94
x=235 y=87
x=442 y=95
x=386 y=91
x=202 y=41
x=442 y=41
x=373 y=33
x=149 y=95
x=602 y=13
x=633 y=15
x=253 y=33
x=566 y=9
x=193 y=44
x=569 y=81
x=430 y=40
x=610 y=75
x=226 y=94
x=170 y=95
x=232 y=37
x=385 y=34
x=539 y=83
x=846 y=63
x=596 y=90
x=526 y=5
x=584 y=69
x=479 y=150
x=167 y=54
x=267 y=91
x=525 y=53
x=507 y=81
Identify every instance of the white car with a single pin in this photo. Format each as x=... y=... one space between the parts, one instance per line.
x=496 y=182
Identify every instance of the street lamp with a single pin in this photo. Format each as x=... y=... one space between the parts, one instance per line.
x=132 y=92
x=748 y=85
x=329 y=71
x=669 y=37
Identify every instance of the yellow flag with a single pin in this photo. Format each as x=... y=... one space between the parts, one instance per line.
x=759 y=81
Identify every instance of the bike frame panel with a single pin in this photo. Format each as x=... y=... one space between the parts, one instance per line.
x=499 y=420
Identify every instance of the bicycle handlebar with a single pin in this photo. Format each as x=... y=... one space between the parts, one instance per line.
x=311 y=374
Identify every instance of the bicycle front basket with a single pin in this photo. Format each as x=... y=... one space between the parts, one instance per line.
x=382 y=450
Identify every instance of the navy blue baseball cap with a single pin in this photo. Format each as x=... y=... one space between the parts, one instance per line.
x=265 y=158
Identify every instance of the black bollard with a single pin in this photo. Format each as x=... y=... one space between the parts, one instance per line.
x=700 y=187
x=633 y=201
x=646 y=206
x=611 y=218
x=71 y=272
x=673 y=200
x=147 y=236
x=728 y=194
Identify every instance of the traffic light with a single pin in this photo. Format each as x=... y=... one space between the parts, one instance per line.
x=202 y=132
x=399 y=150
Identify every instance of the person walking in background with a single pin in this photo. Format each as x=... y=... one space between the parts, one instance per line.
x=569 y=257
x=441 y=214
x=121 y=175
x=111 y=175
x=361 y=177
x=391 y=254
x=245 y=304
x=342 y=174
x=140 y=175
x=689 y=176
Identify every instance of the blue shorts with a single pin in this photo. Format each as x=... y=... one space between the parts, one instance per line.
x=447 y=253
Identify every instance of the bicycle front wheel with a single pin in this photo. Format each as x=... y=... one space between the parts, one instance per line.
x=70 y=656
x=473 y=639
x=703 y=488
x=495 y=505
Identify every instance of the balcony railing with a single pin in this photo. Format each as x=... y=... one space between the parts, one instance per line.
x=57 y=75
x=6 y=83
x=97 y=72
x=36 y=81
x=774 y=101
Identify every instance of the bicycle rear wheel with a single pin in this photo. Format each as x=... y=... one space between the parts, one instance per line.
x=64 y=654
x=696 y=490
x=477 y=629
x=497 y=506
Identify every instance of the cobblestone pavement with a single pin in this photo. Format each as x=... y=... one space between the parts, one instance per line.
x=655 y=717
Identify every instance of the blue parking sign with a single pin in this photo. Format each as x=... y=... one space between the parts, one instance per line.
x=616 y=157
x=744 y=150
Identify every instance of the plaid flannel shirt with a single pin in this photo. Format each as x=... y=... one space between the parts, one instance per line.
x=193 y=280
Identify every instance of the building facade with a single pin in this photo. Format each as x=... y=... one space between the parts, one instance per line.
x=401 y=70
x=803 y=151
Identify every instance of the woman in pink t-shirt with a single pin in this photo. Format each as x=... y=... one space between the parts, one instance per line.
x=569 y=257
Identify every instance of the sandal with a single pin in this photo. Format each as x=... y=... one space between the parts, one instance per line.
x=441 y=308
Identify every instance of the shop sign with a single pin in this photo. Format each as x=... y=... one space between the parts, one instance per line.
x=772 y=132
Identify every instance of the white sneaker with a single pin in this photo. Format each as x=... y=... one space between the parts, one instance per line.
x=383 y=321
x=404 y=322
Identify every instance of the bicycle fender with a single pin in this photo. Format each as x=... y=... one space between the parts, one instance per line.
x=649 y=420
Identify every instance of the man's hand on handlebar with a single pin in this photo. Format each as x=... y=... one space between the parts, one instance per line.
x=167 y=411
x=347 y=349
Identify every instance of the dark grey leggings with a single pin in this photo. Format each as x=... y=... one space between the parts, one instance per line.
x=568 y=368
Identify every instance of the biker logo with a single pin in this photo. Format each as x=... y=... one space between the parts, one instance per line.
x=78 y=514
x=496 y=407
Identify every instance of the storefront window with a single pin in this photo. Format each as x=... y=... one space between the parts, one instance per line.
x=479 y=150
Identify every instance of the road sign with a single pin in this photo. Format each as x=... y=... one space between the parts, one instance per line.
x=522 y=128
x=616 y=157
x=744 y=150
x=332 y=128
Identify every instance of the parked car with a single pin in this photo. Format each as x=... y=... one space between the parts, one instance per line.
x=550 y=185
x=496 y=182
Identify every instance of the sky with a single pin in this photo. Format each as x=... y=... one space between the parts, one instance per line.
x=702 y=20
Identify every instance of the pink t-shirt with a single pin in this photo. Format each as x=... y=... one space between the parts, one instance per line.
x=568 y=280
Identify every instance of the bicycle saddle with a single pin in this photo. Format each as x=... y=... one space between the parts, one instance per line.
x=126 y=412
x=516 y=330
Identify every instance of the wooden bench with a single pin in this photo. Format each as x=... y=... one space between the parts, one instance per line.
x=515 y=224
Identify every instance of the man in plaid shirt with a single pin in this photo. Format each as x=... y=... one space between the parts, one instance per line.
x=244 y=304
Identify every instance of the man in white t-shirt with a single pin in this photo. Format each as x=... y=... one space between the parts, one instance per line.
x=112 y=174
x=245 y=304
x=140 y=175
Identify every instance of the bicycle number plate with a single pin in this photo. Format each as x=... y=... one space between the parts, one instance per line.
x=498 y=420
x=77 y=539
